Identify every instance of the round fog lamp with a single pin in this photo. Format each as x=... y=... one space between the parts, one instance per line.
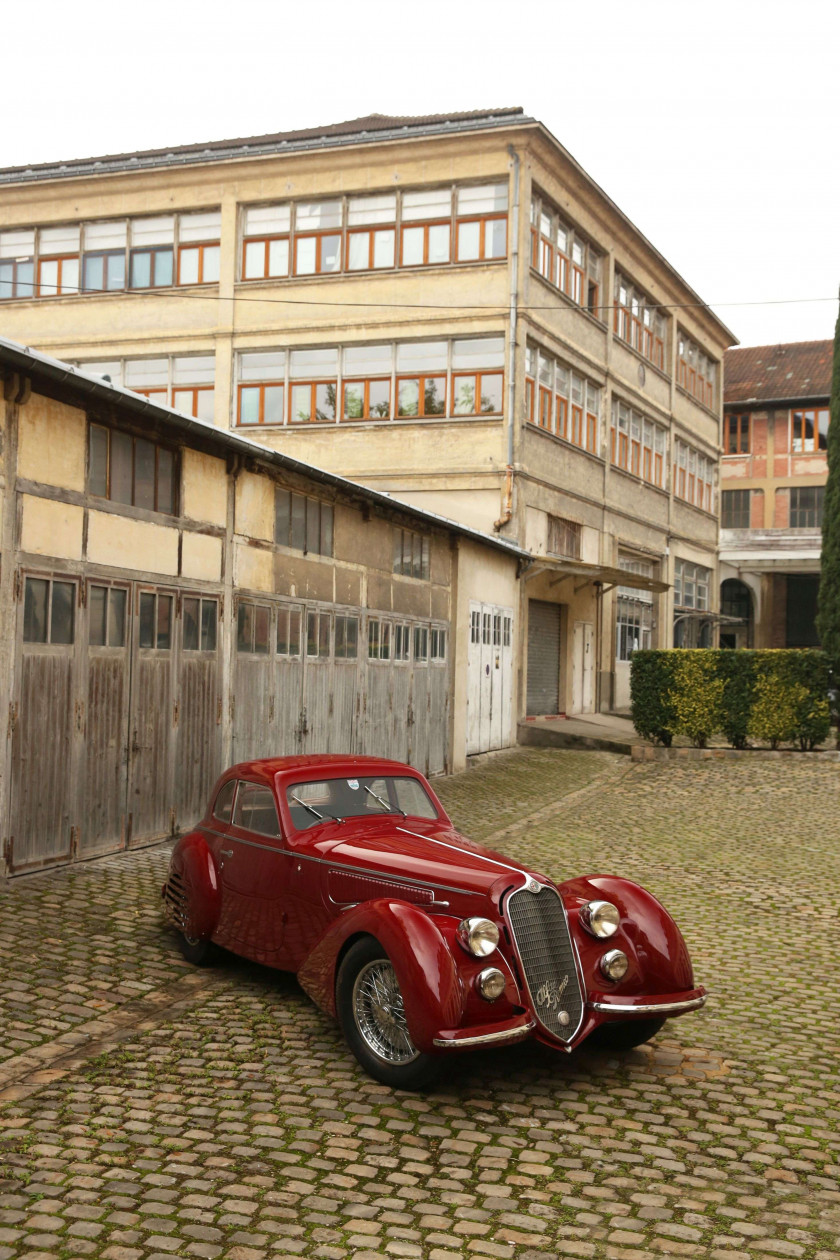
x=601 y=918
x=478 y=936
x=490 y=984
x=614 y=964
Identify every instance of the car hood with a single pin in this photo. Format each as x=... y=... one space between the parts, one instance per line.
x=420 y=849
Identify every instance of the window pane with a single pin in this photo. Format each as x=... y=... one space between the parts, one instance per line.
x=164 y=621
x=98 y=461
x=266 y=220
x=301 y=404
x=326 y=529
x=254 y=264
x=190 y=618
x=208 y=625
x=141 y=270
x=116 y=271
x=434 y=203
x=379 y=396
x=463 y=390
x=122 y=449
x=116 y=617
x=468 y=241
x=278 y=258
x=414 y=357
x=262 y=627
x=330 y=253
x=188 y=266
x=94 y=273
x=312 y=634
x=205 y=404
x=63 y=610
x=205 y=225
x=273 y=405
x=163 y=268
x=474 y=353
x=298 y=540
x=48 y=275
x=351 y=637
x=268 y=366
x=317 y=214
x=325 y=402
x=491 y=394
x=439 y=243
x=495 y=238
x=354 y=401
x=313 y=525
x=97 y=609
x=379 y=209
x=383 y=248
x=147 y=620
x=358 y=251
x=210 y=269
x=435 y=396
x=324 y=635
x=249 y=405
x=314 y=365
x=35 y=611
x=294 y=632
x=282 y=516
x=408 y=398
x=305 y=255
x=245 y=627
x=144 y=474
x=482 y=199
x=153 y=231
x=412 y=246
x=224 y=800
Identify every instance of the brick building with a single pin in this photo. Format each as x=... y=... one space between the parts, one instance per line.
x=773 y=475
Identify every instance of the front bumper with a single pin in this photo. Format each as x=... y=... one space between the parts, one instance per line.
x=491 y=1035
x=660 y=1004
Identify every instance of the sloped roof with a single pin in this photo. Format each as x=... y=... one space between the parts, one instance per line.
x=352 y=130
x=795 y=370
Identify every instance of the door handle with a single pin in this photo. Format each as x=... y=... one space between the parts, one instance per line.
x=226 y=853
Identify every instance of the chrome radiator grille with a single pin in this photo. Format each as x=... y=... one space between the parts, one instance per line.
x=541 y=937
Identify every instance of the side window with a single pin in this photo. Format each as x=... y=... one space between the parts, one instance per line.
x=255 y=810
x=224 y=801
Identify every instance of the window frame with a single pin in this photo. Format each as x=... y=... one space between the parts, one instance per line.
x=51 y=580
x=741 y=431
x=732 y=512
x=173 y=509
x=202 y=247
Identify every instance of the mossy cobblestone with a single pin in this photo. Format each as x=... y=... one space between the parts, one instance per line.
x=148 y=1111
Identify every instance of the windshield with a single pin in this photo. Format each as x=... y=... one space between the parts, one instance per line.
x=333 y=799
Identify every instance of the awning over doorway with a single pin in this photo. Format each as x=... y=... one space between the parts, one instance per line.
x=585 y=574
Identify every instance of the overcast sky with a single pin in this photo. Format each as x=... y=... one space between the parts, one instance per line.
x=714 y=126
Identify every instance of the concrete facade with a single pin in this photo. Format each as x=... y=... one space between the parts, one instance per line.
x=773 y=474
x=461 y=261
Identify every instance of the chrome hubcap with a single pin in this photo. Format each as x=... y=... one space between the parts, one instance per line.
x=379 y=1014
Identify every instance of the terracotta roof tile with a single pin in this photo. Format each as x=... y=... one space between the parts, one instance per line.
x=798 y=369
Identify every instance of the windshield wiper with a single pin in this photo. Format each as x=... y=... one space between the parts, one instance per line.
x=332 y=817
x=388 y=808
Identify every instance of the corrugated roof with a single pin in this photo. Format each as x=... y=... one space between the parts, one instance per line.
x=781 y=373
x=33 y=363
x=354 y=130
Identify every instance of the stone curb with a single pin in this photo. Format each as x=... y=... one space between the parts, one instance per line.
x=647 y=752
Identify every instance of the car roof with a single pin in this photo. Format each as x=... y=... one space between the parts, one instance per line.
x=329 y=765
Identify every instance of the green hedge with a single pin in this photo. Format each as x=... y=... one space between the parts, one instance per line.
x=775 y=696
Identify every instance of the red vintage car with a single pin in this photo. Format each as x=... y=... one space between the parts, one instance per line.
x=347 y=871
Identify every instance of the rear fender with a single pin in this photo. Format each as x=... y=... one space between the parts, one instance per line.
x=434 y=992
x=192 y=892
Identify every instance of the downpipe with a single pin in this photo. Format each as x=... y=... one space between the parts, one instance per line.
x=507 y=497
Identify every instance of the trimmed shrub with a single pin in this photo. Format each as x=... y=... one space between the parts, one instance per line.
x=807 y=674
x=697 y=696
x=776 y=704
x=738 y=673
x=651 y=685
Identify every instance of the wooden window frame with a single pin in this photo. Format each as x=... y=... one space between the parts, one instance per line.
x=154 y=251
x=201 y=247
x=61 y=259
x=326 y=511
x=741 y=431
x=13 y=281
x=290 y=612
x=318 y=237
x=421 y=378
x=366 y=383
x=404 y=563
x=257 y=607
x=63 y=579
x=105 y=255
x=379 y=637
x=157 y=595
x=478 y=377
x=313 y=387
x=105 y=584
x=267 y=242
x=201 y=600
x=195 y=390
x=425 y=224
x=370 y=232
x=158 y=447
x=262 y=386
x=799 y=413
x=482 y=220
x=690 y=374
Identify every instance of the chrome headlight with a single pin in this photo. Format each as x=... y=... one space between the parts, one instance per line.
x=478 y=936
x=601 y=918
x=490 y=983
x=614 y=964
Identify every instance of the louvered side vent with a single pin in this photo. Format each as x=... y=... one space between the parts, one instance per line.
x=541 y=936
x=175 y=900
x=348 y=888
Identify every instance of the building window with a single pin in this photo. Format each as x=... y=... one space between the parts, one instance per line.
x=427 y=227
x=477 y=392
x=691 y=585
x=199 y=624
x=198 y=247
x=152 y=252
x=253 y=628
x=563 y=257
x=103 y=256
x=564 y=537
x=736 y=433
x=735 y=509
x=638 y=321
x=411 y=554
x=106 y=616
x=402 y=641
x=371 y=232
x=809 y=430
x=696 y=372
x=263 y=402
x=693 y=476
x=638 y=444
x=313 y=385
x=155 y=621
x=806 y=507
x=265 y=242
x=49 y=611
x=633 y=622
x=421 y=644
x=317 y=247
x=17 y=264
x=421 y=378
x=288 y=631
x=561 y=401
x=481 y=222
x=379 y=639
x=346 y=637
x=58 y=261
x=437 y=638
x=185 y=382
x=318 y=635
x=131 y=470
x=302 y=523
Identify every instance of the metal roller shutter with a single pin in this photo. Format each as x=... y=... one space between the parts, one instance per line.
x=543 y=658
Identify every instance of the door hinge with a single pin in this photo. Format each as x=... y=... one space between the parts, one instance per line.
x=13 y=717
x=80 y=713
x=176 y=712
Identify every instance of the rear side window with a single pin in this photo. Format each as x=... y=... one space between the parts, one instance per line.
x=224 y=801
x=255 y=810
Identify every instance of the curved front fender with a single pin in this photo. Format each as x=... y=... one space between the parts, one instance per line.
x=193 y=884
x=432 y=989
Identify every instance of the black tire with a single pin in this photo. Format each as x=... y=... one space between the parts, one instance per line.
x=197 y=951
x=626 y=1035
x=396 y=1061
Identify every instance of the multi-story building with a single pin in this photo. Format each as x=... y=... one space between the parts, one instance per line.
x=448 y=309
x=773 y=475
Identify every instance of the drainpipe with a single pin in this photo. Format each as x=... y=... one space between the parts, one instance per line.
x=507 y=500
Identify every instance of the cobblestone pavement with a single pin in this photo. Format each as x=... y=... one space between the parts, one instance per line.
x=149 y=1111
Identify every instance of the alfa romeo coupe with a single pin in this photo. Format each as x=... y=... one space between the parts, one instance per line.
x=348 y=871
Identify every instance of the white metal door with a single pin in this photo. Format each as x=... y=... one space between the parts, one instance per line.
x=582 y=661
x=489 y=677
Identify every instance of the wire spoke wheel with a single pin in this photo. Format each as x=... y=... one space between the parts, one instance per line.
x=379 y=1013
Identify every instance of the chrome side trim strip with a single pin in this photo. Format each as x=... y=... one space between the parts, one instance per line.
x=486 y=1039
x=649 y=1008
